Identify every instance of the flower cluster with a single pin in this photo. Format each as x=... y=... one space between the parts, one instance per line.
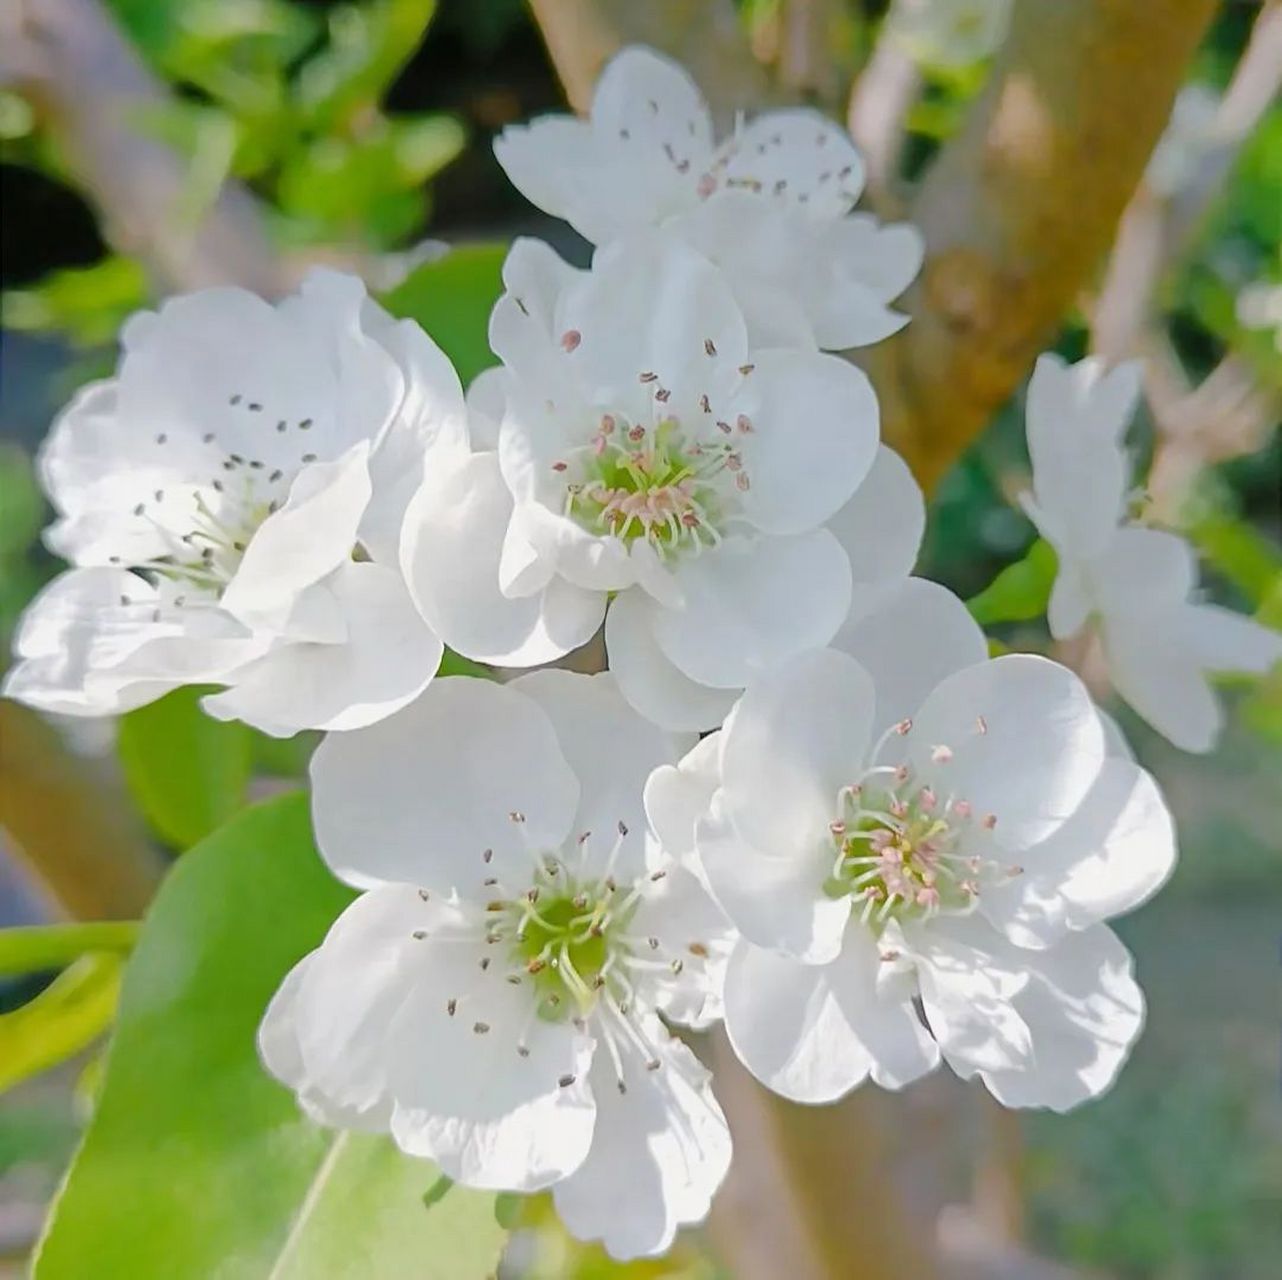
x=888 y=851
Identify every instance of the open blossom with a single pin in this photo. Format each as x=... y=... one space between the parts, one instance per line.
x=495 y=999
x=919 y=846
x=771 y=203
x=649 y=458
x=230 y=503
x=1136 y=585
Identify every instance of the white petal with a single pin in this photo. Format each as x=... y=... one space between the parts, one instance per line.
x=968 y=999
x=432 y=413
x=418 y=797
x=465 y=1097
x=650 y=681
x=1225 y=641
x=386 y=661
x=652 y=305
x=451 y=550
x=881 y=526
x=1161 y=677
x=856 y=267
x=308 y=538
x=99 y=641
x=486 y=405
x=1084 y=1011
x=774 y=898
x=787 y=1027
x=814 y=422
x=1026 y=744
x=348 y=994
x=1142 y=570
x=799 y=735
x=676 y=797
x=908 y=636
x=812 y=1033
x=749 y=605
x=1081 y=472
x=680 y=912
x=639 y=159
x=1115 y=852
x=612 y=751
x=659 y=1152
x=799 y=158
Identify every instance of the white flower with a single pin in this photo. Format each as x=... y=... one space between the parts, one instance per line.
x=918 y=848
x=651 y=458
x=231 y=505
x=949 y=33
x=495 y=998
x=769 y=204
x=1136 y=585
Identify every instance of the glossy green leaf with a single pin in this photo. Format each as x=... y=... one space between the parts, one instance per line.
x=452 y=299
x=31 y=948
x=66 y=1017
x=1021 y=591
x=196 y=1163
x=187 y=771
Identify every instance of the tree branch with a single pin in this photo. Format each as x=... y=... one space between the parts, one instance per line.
x=75 y=830
x=1021 y=206
x=707 y=38
x=91 y=91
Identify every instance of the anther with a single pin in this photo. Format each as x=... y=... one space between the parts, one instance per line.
x=566 y=1081
x=419 y=934
x=709 y=346
x=481 y=1028
x=570 y=339
x=451 y=1006
x=649 y=377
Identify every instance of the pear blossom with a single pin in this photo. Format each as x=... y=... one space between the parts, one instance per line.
x=651 y=460
x=498 y=996
x=919 y=846
x=949 y=33
x=1135 y=585
x=230 y=505
x=770 y=204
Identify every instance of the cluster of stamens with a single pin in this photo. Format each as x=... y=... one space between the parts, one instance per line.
x=901 y=849
x=208 y=526
x=569 y=937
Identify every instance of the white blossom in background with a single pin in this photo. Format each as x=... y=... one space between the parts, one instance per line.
x=949 y=33
x=230 y=505
x=1136 y=586
x=918 y=846
x=496 y=997
x=1259 y=306
x=649 y=458
x=1190 y=135
x=770 y=204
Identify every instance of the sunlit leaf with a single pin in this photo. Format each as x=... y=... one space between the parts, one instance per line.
x=31 y=948
x=452 y=298
x=65 y=1018
x=196 y=1163
x=1021 y=591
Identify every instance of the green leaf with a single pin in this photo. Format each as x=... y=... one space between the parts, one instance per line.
x=31 y=948
x=196 y=1163
x=66 y=1017
x=187 y=771
x=1021 y=591
x=452 y=299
